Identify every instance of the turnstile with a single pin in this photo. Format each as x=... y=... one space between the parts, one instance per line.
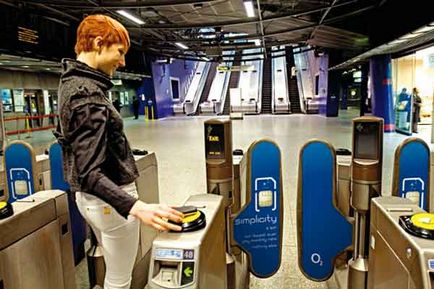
x=397 y=259
x=147 y=188
x=36 y=244
x=192 y=259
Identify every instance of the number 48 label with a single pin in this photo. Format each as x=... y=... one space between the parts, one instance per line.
x=188 y=254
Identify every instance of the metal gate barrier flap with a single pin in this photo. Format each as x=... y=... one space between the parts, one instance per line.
x=20 y=161
x=411 y=172
x=322 y=231
x=258 y=226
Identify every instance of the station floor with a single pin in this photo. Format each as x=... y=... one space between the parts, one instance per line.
x=179 y=147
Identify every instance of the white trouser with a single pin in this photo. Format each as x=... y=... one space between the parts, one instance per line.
x=119 y=237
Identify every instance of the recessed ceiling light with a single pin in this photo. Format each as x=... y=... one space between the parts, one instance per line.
x=25 y=66
x=248 y=5
x=131 y=17
x=181 y=45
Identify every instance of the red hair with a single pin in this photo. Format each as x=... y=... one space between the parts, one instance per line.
x=96 y=25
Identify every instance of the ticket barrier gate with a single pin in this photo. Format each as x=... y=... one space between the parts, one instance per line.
x=231 y=174
x=410 y=181
x=398 y=259
x=35 y=244
x=23 y=167
x=255 y=239
x=317 y=200
x=194 y=259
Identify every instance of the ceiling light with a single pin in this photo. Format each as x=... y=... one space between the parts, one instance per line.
x=131 y=17
x=149 y=12
x=25 y=66
x=248 y=5
x=1 y=63
x=205 y=58
x=425 y=29
x=181 y=45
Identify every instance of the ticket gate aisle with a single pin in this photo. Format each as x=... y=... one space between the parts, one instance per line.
x=224 y=253
x=147 y=187
x=36 y=244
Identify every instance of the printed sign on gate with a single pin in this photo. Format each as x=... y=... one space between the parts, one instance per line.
x=411 y=172
x=258 y=226
x=322 y=231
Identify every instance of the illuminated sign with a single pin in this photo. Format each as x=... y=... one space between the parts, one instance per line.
x=28 y=35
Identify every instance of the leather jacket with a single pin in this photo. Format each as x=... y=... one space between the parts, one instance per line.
x=97 y=157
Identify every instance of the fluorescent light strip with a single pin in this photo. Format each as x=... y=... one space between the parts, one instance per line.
x=248 y=5
x=257 y=42
x=181 y=45
x=131 y=17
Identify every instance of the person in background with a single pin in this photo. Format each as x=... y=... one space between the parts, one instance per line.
x=98 y=162
x=417 y=103
x=117 y=105
x=136 y=107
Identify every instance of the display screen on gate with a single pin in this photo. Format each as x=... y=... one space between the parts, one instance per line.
x=214 y=141
x=366 y=140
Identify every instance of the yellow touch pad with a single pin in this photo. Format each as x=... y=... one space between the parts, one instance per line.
x=191 y=217
x=423 y=220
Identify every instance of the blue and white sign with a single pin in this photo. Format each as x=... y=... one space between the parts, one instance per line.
x=322 y=231
x=411 y=178
x=56 y=168
x=257 y=228
x=19 y=167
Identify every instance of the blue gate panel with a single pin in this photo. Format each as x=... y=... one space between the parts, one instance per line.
x=413 y=159
x=322 y=231
x=58 y=182
x=257 y=228
x=19 y=168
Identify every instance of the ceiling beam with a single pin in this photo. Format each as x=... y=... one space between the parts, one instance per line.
x=323 y=16
x=261 y=27
x=255 y=20
x=121 y=4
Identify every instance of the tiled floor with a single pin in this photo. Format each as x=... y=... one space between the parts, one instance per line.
x=179 y=146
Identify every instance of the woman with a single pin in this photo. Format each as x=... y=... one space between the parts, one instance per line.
x=98 y=161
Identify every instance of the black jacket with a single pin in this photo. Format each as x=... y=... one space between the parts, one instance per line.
x=96 y=153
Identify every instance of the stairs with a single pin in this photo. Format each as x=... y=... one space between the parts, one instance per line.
x=233 y=83
x=294 y=97
x=266 y=87
x=208 y=83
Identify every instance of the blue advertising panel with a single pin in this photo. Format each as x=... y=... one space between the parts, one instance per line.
x=322 y=231
x=258 y=226
x=411 y=172
x=58 y=181
x=20 y=163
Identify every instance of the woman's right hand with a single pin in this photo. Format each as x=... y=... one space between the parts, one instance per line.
x=157 y=216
